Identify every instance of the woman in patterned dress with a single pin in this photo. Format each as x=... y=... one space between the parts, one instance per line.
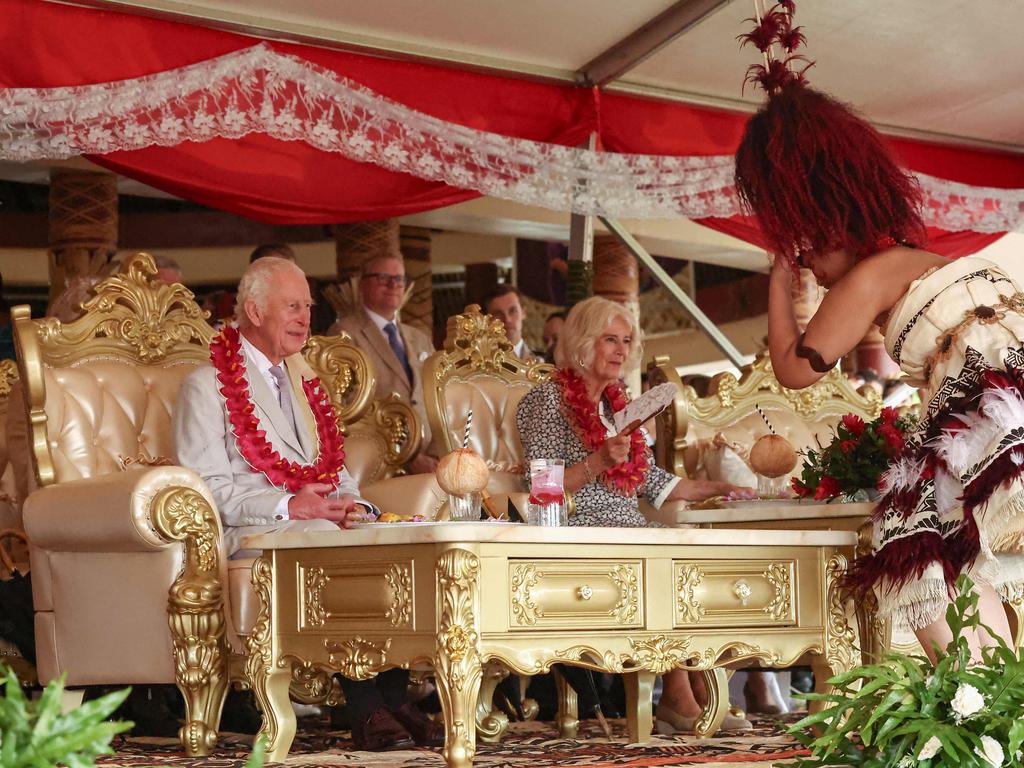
x=570 y=418
x=829 y=196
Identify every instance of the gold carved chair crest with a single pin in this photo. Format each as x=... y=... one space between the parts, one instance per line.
x=478 y=370
x=801 y=415
x=382 y=434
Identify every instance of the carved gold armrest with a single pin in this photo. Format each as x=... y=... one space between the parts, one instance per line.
x=111 y=513
x=398 y=428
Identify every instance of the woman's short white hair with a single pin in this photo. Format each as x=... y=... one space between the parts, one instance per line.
x=584 y=324
x=258 y=281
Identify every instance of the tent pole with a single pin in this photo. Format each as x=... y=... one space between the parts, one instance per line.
x=703 y=321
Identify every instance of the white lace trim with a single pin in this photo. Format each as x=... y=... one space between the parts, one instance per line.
x=257 y=90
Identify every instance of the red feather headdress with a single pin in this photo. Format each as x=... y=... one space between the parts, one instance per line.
x=816 y=175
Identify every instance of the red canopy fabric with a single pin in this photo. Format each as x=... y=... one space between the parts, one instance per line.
x=292 y=183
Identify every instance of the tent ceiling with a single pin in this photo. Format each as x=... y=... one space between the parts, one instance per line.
x=944 y=67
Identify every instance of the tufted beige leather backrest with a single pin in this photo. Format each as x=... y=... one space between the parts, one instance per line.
x=477 y=370
x=100 y=390
x=102 y=412
x=805 y=417
x=494 y=401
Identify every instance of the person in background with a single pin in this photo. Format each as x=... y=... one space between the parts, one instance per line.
x=570 y=418
x=552 y=330
x=281 y=250
x=396 y=349
x=504 y=303
x=870 y=378
x=167 y=269
x=6 y=329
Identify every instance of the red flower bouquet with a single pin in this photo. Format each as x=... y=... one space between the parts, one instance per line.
x=855 y=459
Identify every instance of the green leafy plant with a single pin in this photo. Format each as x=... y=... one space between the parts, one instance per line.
x=35 y=734
x=903 y=711
x=856 y=458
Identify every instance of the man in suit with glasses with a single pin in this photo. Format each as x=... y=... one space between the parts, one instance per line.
x=396 y=349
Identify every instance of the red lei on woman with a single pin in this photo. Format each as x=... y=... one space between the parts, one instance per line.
x=226 y=356
x=624 y=478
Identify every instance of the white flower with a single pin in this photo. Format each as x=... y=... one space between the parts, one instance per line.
x=170 y=127
x=993 y=751
x=930 y=749
x=325 y=132
x=967 y=701
x=395 y=153
x=233 y=119
x=907 y=761
x=360 y=144
x=203 y=122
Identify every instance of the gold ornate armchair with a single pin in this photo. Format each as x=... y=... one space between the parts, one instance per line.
x=124 y=544
x=477 y=370
x=803 y=416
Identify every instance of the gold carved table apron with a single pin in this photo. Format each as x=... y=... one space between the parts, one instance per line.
x=465 y=599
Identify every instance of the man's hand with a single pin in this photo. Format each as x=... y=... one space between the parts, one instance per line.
x=422 y=463
x=309 y=504
x=615 y=450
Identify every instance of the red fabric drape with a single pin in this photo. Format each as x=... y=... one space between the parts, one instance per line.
x=952 y=245
x=259 y=177
x=291 y=183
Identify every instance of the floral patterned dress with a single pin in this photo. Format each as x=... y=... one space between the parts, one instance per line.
x=547 y=432
x=954 y=500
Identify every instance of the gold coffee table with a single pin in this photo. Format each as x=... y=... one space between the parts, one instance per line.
x=470 y=600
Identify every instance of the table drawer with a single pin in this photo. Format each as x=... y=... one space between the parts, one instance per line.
x=563 y=594
x=734 y=593
x=362 y=595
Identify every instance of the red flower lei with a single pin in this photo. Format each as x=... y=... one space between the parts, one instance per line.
x=226 y=356
x=622 y=478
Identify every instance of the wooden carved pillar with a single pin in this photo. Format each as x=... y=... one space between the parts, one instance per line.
x=617 y=277
x=356 y=243
x=419 y=310
x=870 y=353
x=481 y=279
x=83 y=228
x=807 y=295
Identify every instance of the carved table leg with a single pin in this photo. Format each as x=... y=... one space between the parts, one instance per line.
x=458 y=667
x=491 y=723
x=716 y=682
x=839 y=640
x=269 y=681
x=874 y=632
x=639 y=705
x=568 y=717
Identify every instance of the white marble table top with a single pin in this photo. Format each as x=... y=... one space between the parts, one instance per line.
x=449 y=532
x=680 y=514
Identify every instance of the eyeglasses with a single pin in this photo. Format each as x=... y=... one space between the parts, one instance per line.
x=391 y=281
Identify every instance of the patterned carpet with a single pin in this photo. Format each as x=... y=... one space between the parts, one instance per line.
x=528 y=745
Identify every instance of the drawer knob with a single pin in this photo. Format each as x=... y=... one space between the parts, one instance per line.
x=742 y=590
x=584 y=592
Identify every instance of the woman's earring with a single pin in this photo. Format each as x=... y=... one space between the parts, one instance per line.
x=579 y=363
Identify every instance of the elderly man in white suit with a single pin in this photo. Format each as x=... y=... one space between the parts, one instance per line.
x=272 y=312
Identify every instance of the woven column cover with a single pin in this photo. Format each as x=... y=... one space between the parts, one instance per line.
x=82 y=224
x=419 y=310
x=357 y=243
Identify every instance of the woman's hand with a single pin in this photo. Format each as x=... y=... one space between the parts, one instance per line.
x=698 y=490
x=615 y=450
